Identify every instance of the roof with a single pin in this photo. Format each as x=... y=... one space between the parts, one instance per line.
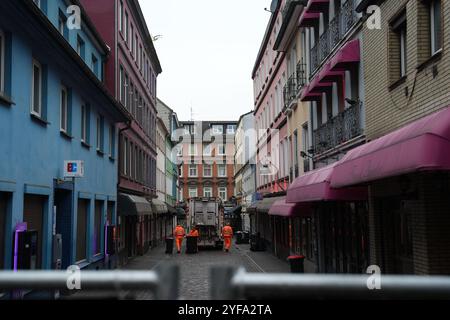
x=148 y=37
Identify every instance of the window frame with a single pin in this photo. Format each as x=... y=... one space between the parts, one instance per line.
x=64 y=106
x=224 y=190
x=205 y=165
x=210 y=191
x=33 y=112
x=219 y=153
x=225 y=170
x=193 y=167
x=433 y=40
x=196 y=192
x=2 y=61
x=100 y=133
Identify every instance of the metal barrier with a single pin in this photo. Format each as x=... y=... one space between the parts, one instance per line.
x=163 y=282
x=237 y=284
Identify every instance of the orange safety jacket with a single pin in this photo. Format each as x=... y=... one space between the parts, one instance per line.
x=179 y=232
x=194 y=233
x=227 y=232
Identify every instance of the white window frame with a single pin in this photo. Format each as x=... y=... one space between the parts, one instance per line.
x=222 y=190
x=211 y=170
x=99 y=133
x=225 y=170
x=2 y=61
x=193 y=192
x=434 y=49
x=219 y=153
x=192 y=152
x=208 y=190
x=207 y=150
x=193 y=167
x=39 y=66
x=215 y=128
x=64 y=106
x=231 y=129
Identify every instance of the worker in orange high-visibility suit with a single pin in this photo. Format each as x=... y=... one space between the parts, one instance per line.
x=194 y=233
x=179 y=234
x=227 y=234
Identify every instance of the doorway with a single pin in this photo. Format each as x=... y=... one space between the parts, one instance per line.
x=63 y=208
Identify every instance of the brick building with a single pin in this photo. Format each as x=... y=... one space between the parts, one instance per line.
x=405 y=164
x=206 y=156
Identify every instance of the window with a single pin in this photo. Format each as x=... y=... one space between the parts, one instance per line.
x=120 y=16
x=231 y=129
x=207 y=150
x=64 y=111
x=36 y=90
x=133 y=42
x=221 y=149
x=192 y=149
x=435 y=26
x=222 y=170
x=112 y=141
x=100 y=137
x=223 y=193
x=98 y=229
x=2 y=62
x=193 y=170
x=135 y=47
x=80 y=47
x=126 y=27
x=122 y=86
x=217 y=129
x=207 y=192
x=193 y=193
x=398 y=51
x=125 y=157
x=95 y=65
x=207 y=170
x=62 y=24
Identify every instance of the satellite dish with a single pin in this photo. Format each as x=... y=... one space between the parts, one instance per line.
x=274 y=5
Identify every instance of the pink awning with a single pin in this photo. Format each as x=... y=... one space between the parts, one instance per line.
x=283 y=209
x=315 y=186
x=317 y=5
x=423 y=145
x=307 y=95
x=328 y=75
x=348 y=55
x=308 y=19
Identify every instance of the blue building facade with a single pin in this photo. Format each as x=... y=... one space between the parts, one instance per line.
x=54 y=108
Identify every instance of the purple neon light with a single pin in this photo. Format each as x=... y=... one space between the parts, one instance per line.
x=20 y=227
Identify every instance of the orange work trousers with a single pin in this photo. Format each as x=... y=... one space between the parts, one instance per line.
x=227 y=243
x=179 y=243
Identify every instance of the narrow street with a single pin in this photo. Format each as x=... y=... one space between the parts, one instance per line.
x=195 y=269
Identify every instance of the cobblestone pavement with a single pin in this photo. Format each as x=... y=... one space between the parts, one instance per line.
x=195 y=269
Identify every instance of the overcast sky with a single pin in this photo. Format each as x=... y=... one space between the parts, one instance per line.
x=207 y=52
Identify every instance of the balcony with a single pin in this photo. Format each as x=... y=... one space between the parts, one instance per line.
x=306 y=165
x=339 y=130
x=301 y=74
x=290 y=90
x=336 y=30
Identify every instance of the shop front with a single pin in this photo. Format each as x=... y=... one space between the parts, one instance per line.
x=134 y=213
x=333 y=236
x=407 y=172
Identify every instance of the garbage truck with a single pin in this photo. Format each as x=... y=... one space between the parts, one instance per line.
x=207 y=215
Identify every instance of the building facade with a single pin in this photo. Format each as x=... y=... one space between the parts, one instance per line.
x=54 y=108
x=206 y=156
x=245 y=166
x=131 y=76
x=406 y=76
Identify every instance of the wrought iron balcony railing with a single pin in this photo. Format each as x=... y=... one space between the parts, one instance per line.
x=301 y=74
x=290 y=90
x=338 y=130
x=336 y=30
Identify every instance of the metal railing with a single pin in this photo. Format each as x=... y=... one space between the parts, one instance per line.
x=301 y=74
x=335 y=31
x=338 y=130
x=290 y=90
x=229 y=283
x=162 y=283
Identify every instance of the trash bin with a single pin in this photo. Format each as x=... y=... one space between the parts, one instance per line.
x=191 y=245
x=297 y=264
x=246 y=237
x=239 y=237
x=169 y=245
